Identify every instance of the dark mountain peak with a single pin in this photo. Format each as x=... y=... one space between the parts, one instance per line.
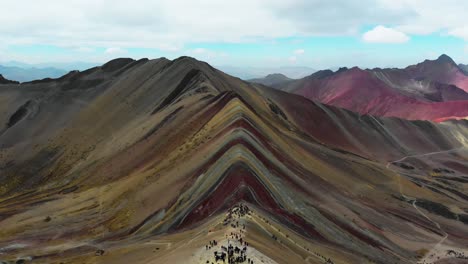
x=186 y=58
x=272 y=79
x=116 y=64
x=276 y=75
x=186 y=61
x=6 y=81
x=322 y=74
x=353 y=70
x=342 y=69
x=445 y=59
x=437 y=66
x=70 y=75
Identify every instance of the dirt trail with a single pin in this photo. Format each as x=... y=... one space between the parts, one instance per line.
x=436 y=249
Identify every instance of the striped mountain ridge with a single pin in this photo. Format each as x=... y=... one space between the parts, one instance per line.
x=145 y=153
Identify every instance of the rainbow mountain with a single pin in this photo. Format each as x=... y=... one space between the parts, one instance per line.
x=144 y=161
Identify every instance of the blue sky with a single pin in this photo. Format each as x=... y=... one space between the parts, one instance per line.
x=255 y=33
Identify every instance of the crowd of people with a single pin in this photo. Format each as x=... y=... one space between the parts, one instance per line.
x=450 y=254
x=235 y=251
x=456 y=254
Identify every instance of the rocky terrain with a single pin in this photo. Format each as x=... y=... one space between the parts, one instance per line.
x=160 y=161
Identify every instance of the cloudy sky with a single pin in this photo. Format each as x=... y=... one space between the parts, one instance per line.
x=257 y=33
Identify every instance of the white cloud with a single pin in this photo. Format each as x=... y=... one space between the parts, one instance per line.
x=115 y=51
x=299 y=51
x=169 y=25
x=381 y=34
x=432 y=16
x=292 y=59
x=461 y=32
x=199 y=50
x=207 y=54
x=84 y=49
x=223 y=54
x=168 y=47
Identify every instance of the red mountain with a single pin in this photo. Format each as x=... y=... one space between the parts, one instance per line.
x=443 y=70
x=423 y=91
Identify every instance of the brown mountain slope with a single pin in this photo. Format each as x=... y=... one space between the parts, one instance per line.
x=145 y=161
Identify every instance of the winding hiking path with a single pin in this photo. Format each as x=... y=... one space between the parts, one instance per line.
x=434 y=249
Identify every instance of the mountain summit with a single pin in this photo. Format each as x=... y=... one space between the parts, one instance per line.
x=445 y=59
x=442 y=70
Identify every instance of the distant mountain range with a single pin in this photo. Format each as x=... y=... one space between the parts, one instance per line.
x=294 y=72
x=23 y=72
x=431 y=90
x=30 y=74
x=271 y=79
x=66 y=66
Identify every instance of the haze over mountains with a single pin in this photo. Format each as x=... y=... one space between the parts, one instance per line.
x=23 y=72
x=30 y=74
x=66 y=66
x=246 y=73
x=150 y=161
x=271 y=79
